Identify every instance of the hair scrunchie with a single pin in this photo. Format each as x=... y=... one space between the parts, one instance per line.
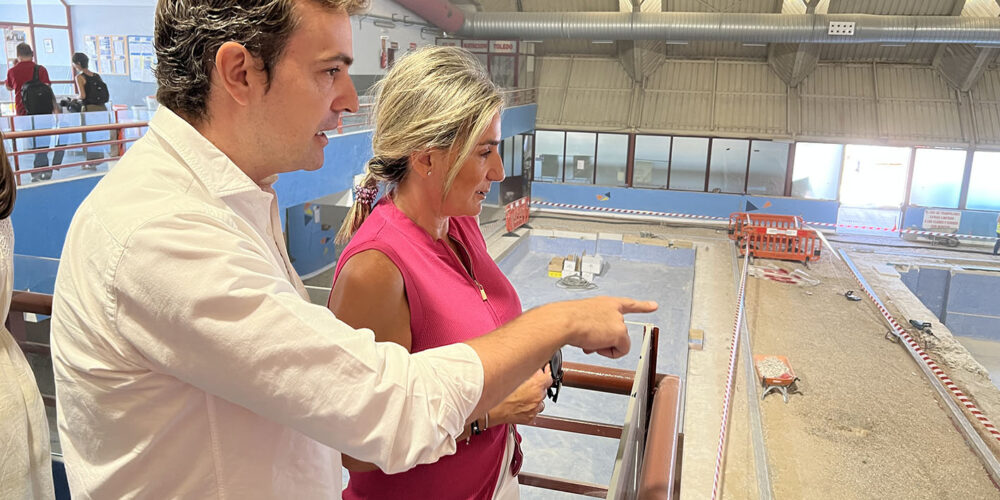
x=365 y=195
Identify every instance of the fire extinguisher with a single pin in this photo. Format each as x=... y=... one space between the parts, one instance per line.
x=383 y=57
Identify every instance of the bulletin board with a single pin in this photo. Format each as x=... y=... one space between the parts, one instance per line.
x=108 y=54
x=142 y=58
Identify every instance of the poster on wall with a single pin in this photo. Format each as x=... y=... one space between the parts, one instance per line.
x=12 y=37
x=142 y=59
x=108 y=54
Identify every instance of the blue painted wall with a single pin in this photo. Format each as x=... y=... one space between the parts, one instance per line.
x=344 y=158
x=42 y=214
x=974 y=222
x=518 y=120
x=685 y=202
x=118 y=20
x=965 y=301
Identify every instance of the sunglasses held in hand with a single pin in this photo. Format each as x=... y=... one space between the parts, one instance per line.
x=556 y=370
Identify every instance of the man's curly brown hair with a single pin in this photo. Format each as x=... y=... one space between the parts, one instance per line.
x=188 y=33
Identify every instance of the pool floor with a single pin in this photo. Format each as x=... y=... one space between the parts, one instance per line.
x=670 y=283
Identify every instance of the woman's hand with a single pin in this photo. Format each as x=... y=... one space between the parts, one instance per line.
x=525 y=402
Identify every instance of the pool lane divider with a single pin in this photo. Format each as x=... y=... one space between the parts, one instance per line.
x=730 y=374
x=677 y=215
x=941 y=382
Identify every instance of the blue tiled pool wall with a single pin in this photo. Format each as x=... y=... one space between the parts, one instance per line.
x=965 y=301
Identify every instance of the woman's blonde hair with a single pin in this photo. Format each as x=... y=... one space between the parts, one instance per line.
x=8 y=184
x=436 y=98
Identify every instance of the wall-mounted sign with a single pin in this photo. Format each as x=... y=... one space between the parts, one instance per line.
x=448 y=42
x=476 y=45
x=503 y=47
x=942 y=220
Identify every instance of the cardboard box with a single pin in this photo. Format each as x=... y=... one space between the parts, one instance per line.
x=696 y=339
x=555 y=267
x=591 y=264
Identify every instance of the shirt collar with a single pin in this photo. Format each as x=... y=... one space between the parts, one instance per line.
x=210 y=165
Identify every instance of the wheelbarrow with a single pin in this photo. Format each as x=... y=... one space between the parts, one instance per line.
x=783 y=382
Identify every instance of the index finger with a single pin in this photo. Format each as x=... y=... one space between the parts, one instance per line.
x=627 y=305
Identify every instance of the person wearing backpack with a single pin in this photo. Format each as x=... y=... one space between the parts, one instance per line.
x=33 y=96
x=94 y=96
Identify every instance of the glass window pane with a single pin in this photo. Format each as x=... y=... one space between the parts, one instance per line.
x=652 y=161
x=580 y=157
x=502 y=70
x=937 y=177
x=729 y=165
x=687 y=163
x=984 y=182
x=508 y=156
x=612 y=155
x=816 y=170
x=48 y=12
x=528 y=157
x=52 y=51
x=874 y=176
x=14 y=11
x=768 y=167
x=518 y=155
x=548 y=155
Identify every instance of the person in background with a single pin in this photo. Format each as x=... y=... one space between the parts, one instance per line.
x=25 y=462
x=996 y=246
x=417 y=272
x=189 y=361
x=93 y=96
x=20 y=74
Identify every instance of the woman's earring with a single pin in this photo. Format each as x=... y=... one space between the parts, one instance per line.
x=428 y=171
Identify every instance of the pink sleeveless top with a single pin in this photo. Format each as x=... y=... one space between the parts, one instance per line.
x=447 y=305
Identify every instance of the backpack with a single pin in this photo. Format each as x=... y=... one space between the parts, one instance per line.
x=37 y=97
x=96 y=90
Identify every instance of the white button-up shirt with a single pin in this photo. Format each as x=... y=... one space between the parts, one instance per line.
x=189 y=362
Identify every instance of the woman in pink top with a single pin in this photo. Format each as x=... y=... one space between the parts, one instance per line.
x=417 y=271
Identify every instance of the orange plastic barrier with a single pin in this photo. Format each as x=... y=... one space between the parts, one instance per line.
x=774 y=236
x=517 y=213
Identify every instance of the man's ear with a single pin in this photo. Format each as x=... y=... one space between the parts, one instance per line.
x=237 y=72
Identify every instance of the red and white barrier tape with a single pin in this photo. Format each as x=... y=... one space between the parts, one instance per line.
x=730 y=375
x=709 y=217
x=938 y=372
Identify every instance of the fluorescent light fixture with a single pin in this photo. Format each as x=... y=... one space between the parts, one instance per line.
x=531 y=41
x=892 y=45
x=675 y=42
x=382 y=23
x=602 y=41
x=754 y=44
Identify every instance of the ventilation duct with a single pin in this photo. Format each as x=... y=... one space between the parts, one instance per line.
x=711 y=26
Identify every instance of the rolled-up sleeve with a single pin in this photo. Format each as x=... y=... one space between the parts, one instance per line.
x=222 y=318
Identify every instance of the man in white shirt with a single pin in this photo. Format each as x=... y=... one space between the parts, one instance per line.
x=188 y=359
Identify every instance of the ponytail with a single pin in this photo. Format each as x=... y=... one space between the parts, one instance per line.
x=364 y=200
